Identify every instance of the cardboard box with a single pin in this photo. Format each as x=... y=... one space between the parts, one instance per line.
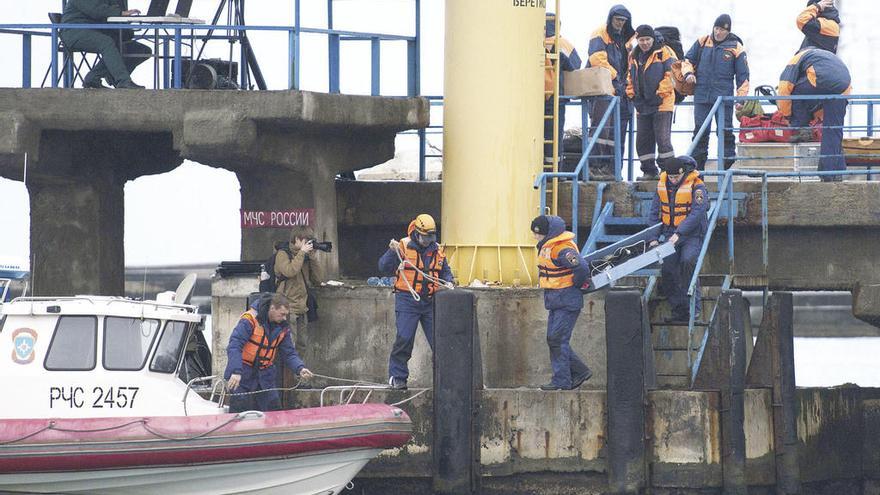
x=592 y=81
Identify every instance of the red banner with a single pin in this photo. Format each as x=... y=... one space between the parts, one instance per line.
x=277 y=219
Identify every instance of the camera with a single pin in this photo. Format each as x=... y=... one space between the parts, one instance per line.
x=326 y=246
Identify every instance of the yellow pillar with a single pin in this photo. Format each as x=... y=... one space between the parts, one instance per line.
x=493 y=137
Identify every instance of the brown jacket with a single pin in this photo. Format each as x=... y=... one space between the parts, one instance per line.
x=297 y=269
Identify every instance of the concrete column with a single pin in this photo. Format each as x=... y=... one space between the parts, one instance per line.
x=456 y=446
x=626 y=392
x=733 y=454
x=279 y=188
x=77 y=231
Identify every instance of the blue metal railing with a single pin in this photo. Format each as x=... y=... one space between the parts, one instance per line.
x=575 y=176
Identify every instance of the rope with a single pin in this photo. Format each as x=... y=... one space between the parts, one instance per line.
x=237 y=417
x=145 y=425
x=402 y=266
x=404 y=401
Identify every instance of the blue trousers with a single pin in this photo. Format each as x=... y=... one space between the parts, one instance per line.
x=603 y=151
x=260 y=401
x=834 y=113
x=566 y=364
x=677 y=270
x=407 y=320
x=701 y=151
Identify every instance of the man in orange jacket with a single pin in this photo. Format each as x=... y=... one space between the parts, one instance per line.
x=261 y=336
x=561 y=273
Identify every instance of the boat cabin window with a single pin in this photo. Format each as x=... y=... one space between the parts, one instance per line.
x=73 y=346
x=127 y=342
x=170 y=345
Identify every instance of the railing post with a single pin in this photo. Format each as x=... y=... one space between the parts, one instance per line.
x=543 y=197
x=291 y=48
x=412 y=68
x=54 y=57
x=296 y=43
x=26 y=61
x=575 y=199
x=375 y=56
x=166 y=65
x=719 y=128
x=333 y=63
x=765 y=238
x=631 y=140
x=870 y=118
x=730 y=246
x=417 y=48
x=178 y=62
x=585 y=125
x=617 y=165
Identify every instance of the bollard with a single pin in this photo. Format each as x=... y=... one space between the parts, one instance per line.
x=784 y=425
x=626 y=392
x=730 y=318
x=456 y=460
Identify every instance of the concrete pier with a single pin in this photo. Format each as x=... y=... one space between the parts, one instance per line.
x=83 y=145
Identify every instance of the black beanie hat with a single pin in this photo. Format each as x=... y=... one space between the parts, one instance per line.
x=541 y=225
x=723 y=21
x=679 y=165
x=644 y=30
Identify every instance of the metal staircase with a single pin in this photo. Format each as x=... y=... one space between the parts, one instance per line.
x=677 y=346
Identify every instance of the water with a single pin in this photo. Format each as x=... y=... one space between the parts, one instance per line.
x=826 y=362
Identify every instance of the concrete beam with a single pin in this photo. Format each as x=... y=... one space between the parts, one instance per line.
x=285 y=147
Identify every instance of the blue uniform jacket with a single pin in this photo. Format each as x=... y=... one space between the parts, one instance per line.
x=821 y=69
x=254 y=378
x=388 y=264
x=649 y=80
x=695 y=224
x=610 y=49
x=719 y=64
x=821 y=28
x=569 y=298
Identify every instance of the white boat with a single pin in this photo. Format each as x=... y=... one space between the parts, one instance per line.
x=96 y=402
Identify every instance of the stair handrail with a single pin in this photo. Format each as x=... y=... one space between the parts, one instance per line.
x=543 y=177
x=714 y=211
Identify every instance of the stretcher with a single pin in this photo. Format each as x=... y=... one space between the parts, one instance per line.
x=625 y=257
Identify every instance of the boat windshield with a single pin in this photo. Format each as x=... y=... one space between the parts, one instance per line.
x=170 y=345
x=127 y=342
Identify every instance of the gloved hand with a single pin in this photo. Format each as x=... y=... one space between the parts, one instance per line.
x=395 y=245
x=653 y=244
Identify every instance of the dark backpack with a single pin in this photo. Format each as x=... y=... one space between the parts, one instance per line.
x=671 y=37
x=270 y=284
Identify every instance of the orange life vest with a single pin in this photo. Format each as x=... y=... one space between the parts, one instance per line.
x=672 y=215
x=551 y=276
x=409 y=274
x=258 y=344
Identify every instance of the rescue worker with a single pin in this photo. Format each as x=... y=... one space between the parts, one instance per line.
x=681 y=203
x=711 y=64
x=411 y=259
x=261 y=337
x=561 y=273
x=814 y=71
x=649 y=85
x=609 y=47
x=569 y=60
x=820 y=23
x=113 y=67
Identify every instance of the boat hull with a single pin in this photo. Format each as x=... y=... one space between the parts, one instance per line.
x=304 y=451
x=323 y=474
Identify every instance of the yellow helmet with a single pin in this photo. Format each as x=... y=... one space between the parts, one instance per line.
x=423 y=224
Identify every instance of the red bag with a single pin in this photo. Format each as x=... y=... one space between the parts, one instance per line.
x=753 y=129
x=816 y=127
x=780 y=135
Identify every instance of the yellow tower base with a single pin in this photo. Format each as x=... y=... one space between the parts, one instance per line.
x=493 y=137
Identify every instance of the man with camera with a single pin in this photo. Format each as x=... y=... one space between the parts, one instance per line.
x=296 y=272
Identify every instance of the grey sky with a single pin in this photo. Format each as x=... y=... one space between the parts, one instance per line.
x=200 y=221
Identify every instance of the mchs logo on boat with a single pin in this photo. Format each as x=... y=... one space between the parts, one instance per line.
x=23 y=345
